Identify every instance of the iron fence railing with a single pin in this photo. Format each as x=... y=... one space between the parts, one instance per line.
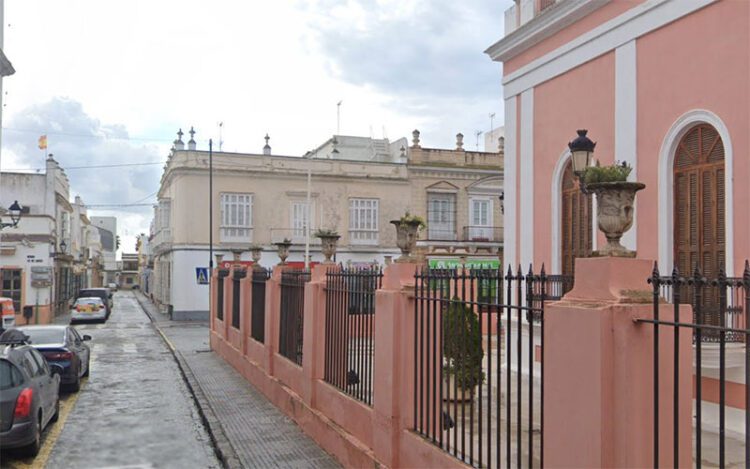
x=238 y=275
x=465 y=337
x=258 y=307
x=710 y=299
x=222 y=274
x=350 y=326
x=292 y=313
x=483 y=234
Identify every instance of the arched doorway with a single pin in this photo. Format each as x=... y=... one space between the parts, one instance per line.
x=699 y=206
x=576 y=222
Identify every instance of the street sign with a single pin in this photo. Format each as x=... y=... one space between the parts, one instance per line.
x=201 y=275
x=452 y=263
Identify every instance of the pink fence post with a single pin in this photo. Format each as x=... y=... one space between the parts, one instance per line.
x=598 y=371
x=392 y=367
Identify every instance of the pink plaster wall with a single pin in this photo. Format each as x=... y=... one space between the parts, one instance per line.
x=583 y=98
x=699 y=62
x=600 y=16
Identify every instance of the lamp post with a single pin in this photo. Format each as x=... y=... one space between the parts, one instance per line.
x=15 y=216
x=581 y=150
x=307 y=215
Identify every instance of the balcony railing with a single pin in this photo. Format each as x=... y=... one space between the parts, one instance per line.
x=524 y=11
x=162 y=237
x=483 y=234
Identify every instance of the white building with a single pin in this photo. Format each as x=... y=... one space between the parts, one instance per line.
x=107 y=227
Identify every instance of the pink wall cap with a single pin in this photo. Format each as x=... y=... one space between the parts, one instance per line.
x=319 y=271
x=611 y=280
x=398 y=276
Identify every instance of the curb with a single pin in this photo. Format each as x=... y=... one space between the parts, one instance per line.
x=222 y=446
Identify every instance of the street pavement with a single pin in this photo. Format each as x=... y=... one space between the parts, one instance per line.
x=258 y=434
x=134 y=410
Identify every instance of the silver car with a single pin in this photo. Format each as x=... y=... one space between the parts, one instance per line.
x=90 y=308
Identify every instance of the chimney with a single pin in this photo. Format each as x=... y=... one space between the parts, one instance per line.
x=178 y=144
x=191 y=142
x=267 y=147
x=460 y=141
x=415 y=139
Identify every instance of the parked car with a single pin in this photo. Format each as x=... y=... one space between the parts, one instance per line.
x=88 y=309
x=112 y=286
x=29 y=394
x=63 y=346
x=8 y=313
x=102 y=293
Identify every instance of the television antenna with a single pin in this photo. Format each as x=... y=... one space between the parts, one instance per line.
x=478 y=133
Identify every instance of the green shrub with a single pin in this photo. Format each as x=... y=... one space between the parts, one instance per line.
x=325 y=232
x=462 y=345
x=409 y=219
x=617 y=172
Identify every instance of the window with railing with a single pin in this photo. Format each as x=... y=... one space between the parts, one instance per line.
x=363 y=221
x=301 y=215
x=236 y=217
x=441 y=216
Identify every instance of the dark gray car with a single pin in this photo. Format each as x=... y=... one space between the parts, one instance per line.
x=29 y=394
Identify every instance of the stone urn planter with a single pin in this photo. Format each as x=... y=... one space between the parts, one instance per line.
x=236 y=255
x=283 y=250
x=219 y=259
x=255 y=254
x=407 y=233
x=614 y=214
x=328 y=243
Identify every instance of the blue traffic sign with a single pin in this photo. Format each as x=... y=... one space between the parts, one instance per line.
x=201 y=275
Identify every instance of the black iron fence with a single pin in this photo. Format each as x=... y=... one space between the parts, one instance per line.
x=292 y=313
x=350 y=325
x=477 y=364
x=222 y=274
x=238 y=275
x=258 y=307
x=718 y=305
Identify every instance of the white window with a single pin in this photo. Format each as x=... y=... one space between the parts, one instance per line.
x=165 y=209
x=299 y=219
x=236 y=218
x=363 y=221
x=480 y=219
x=441 y=216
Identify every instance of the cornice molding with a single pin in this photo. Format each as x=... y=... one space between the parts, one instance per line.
x=557 y=17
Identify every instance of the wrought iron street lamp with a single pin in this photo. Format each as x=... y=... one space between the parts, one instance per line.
x=63 y=246
x=581 y=150
x=15 y=216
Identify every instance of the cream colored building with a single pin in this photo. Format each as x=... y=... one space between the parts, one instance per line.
x=358 y=185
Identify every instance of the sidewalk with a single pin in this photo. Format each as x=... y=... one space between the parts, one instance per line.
x=248 y=430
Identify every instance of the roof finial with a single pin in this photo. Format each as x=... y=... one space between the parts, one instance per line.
x=267 y=147
x=191 y=142
x=178 y=145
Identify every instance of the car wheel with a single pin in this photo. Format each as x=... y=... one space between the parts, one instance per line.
x=76 y=386
x=57 y=409
x=88 y=367
x=32 y=449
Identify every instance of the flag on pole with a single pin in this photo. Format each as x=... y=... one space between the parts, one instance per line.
x=43 y=142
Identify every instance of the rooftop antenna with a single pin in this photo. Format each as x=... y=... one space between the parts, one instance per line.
x=492 y=121
x=338 y=117
x=478 y=133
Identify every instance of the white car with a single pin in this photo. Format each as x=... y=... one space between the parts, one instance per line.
x=88 y=309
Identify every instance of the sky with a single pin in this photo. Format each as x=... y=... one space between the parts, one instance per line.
x=111 y=82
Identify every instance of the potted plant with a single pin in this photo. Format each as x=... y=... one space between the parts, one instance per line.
x=407 y=232
x=615 y=197
x=255 y=253
x=462 y=351
x=283 y=248
x=329 y=240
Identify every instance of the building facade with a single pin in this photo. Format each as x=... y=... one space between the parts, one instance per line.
x=358 y=185
x=661 y=85
x=52 y=252
x=107 y=227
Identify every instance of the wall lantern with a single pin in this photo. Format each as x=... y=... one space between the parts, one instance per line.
x=15 y=216
x=581 y=150
x=502 y=202
x=63 y=246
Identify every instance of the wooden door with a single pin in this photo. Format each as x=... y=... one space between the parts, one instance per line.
x=576 y=222
x=699 y=238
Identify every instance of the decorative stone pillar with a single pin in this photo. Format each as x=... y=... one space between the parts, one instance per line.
x=460 y=141
x=415 y=139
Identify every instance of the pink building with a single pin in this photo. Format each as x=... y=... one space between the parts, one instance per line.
x=661 y=84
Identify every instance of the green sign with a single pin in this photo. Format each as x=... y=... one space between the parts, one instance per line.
x=452 y=263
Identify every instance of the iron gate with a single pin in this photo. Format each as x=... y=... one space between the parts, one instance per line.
x=292 y=313
x=476 y=371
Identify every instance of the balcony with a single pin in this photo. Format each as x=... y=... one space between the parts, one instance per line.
x=524 y=11
x=483 y=234
x=162 y=240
